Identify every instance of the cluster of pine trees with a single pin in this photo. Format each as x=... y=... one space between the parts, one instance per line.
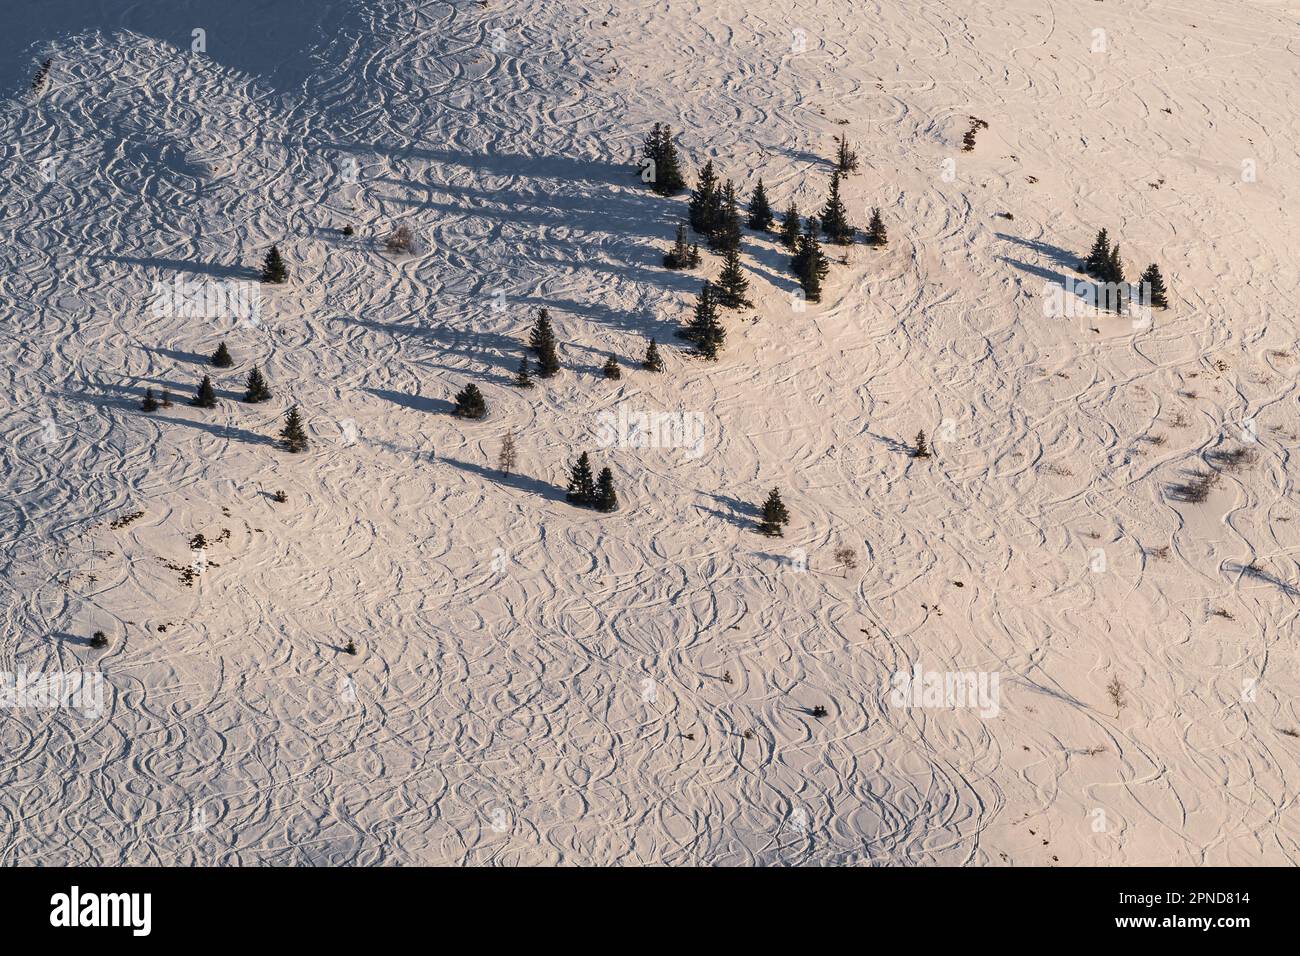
x=256 y=390
x=588 y=492
x=714 y=213
x=1103 y=263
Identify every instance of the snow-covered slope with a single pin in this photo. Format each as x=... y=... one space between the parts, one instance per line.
x=537 y=683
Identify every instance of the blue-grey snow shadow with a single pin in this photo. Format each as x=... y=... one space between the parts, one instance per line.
x=1058 y=255
x=419 y=403
x=742 y=514
x=270 y=41
x=534 y=486
x=1259 y=574
x=217 y=270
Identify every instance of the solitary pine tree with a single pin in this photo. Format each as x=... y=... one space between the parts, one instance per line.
x=652 y=361
x=582 y=486
x=273 y=269
x=683 y=255
x=506 y=460
x=542 y=341
x=1153 y=287
x=1098 y=256
x=846 y=160
x=605 y=498
x=206 y=396
x=726 y=234
x=166 y=398
x=706 y=202
x=876 y=235
x=760 y=211
x=922 y=449
x=835 y=218
x=790 y=227
x=256 y=388
x=221 y=357
x=522 y=378
x=292 y=436
x=775 y=516
x=704 y=329
x=150 y=404
x=541 y=331
x=470 y=403
x=610 y=369
x=732 y=284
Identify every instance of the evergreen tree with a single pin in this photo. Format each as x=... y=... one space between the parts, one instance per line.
x=876 y=234
x=605 y=497
x=522 y=378
x=506 y=460
x=835 y=219
x=790 y=227
x=150 y=404
x=470 y=403
x=705 y=330
x=683 y=255
x=273 y=269
x=206 y=396
x=166 y=398
x=706 y=202
x=542 y=341
x=292 y=436
x=256 y=390
x=726 y=235
x=1099 y=256
x=610 y=369
x=809 y=263
x=732 y=284
x=922 y=449
x=1153 y=286
x=541 y=332
x=1114 y=271
x=760 y=211
x=652 y=361
x=221 y=357
x=1117 y=294
x=846 y=160
x=582 y=487
x=667 y=171
x=775 y=517
x=38 y=79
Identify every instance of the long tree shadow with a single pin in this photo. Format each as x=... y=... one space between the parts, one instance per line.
x=1259 y=574
x=1049 y=275
x=893 y=444
x=566 y=168
x=491 y=348
x=178 y=356
x=217 y=270
x=419 y=403
x=1058 y=255
x=742 y=514
x=535 y=486
x=180 y=394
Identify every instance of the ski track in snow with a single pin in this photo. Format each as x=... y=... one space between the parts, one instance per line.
x=528 y=671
